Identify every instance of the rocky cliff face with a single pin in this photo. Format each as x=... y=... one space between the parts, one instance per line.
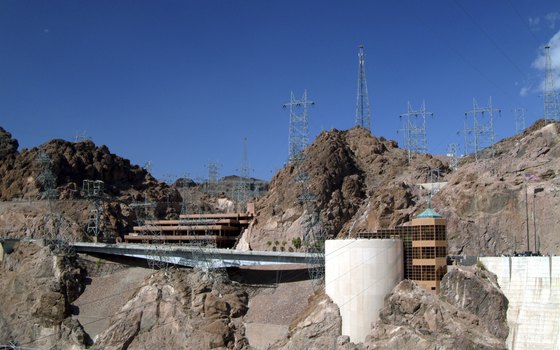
x=36 y=289
x=470 y=314
x=179 y=309
x=362 y=183
x=490 y=203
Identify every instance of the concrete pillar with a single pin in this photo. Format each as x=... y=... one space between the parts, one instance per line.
x=359 y=273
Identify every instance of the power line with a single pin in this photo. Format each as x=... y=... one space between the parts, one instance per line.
x=523 y=74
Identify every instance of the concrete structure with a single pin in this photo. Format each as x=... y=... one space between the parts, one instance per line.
x=218 y=230
x=359 y=273
x=532 y=286
x=429 y=249
x=194 y=256
x=424 y=248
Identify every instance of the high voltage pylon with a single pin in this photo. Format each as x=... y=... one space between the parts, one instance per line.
x=93 y=190
x=242 y=190
x=55 y=225
x=481 y=134
x=414 y=129
x=550 y=96
x=519 y=115
x=299 y=132
x=146 y=217
x=452 y=150
x=363 y=111
x=211 y=184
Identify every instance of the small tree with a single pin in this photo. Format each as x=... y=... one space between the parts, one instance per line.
x=296 y=242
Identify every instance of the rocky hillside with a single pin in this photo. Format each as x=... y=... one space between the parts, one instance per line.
x=358 y=182
x=485 y=201
x=363 y=183
x=71 y=163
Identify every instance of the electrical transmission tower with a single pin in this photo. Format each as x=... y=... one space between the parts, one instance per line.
x=92 y=190
x=146 y=218
x=363 y=111
x=452 y=150
x=211 y=186
x=519 y=115
x=299 y=132
x=56 y=226
x=242 y=190
x=414 y=128
x=481 y=134
x=551 y=104
x=46 y=177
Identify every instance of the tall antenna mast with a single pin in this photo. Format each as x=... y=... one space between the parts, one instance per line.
x=414 y=128
x=363 y=112
x=551 y=105
x=298 y=133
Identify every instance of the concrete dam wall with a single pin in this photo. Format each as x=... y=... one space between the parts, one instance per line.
x=532 y=285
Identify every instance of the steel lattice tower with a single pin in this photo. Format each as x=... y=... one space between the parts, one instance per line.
x=242 y=186
x=482 y=131
x=414 y=129
x=551 y=104
x=363 y=111
x=519 y=115
x=298 y=133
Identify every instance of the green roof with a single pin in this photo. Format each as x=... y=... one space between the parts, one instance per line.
x=428 y=213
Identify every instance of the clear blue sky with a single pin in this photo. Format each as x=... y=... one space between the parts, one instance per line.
x=181 y=83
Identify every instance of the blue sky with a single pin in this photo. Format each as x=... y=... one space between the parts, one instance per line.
x=181 y=83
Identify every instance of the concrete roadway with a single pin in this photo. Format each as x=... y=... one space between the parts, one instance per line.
x=196 y=256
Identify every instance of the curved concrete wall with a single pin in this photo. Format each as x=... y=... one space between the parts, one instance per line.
x=532 y=286
x=359 y=273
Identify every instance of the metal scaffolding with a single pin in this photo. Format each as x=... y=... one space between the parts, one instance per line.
x=481 y=134
x=414 y=130
x=363 y=111
x=550 y=96
x=298 y=132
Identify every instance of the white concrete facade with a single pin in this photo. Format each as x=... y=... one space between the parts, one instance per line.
x=532 y=286
x=359 y=273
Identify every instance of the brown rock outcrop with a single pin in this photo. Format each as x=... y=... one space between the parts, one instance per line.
x=476 y=290
x=359 y=183
x=317 y=327
x=419 y=320
x=179 y=309
x=36 y=289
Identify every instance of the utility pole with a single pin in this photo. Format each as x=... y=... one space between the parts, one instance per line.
x=363 y=111
x=550 y=96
